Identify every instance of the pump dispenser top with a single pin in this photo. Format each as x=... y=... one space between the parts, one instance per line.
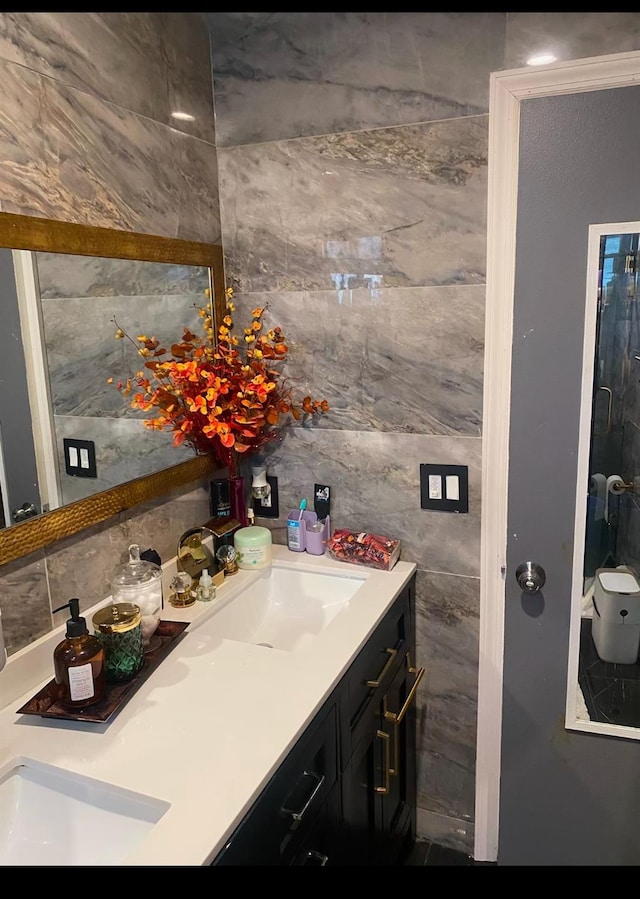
x=79 y=662
x=76 y=625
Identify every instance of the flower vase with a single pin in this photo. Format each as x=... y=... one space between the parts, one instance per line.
x=238 y=504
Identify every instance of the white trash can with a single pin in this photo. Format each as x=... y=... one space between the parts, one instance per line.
x=615 y=625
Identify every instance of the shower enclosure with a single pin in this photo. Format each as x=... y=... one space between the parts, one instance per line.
x=613 y=528
x=611 y=691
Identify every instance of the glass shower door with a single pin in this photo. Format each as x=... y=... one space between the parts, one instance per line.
x=615 y=425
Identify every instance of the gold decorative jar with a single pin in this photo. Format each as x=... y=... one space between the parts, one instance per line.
x=118 y=628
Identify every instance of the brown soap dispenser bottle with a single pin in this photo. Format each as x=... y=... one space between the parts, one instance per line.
x=79 y=662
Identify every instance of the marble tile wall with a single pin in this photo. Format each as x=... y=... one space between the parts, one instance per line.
x=86 y=136
x=86 y=127
x=352 y=152
x=352 y=169
x=84 y=300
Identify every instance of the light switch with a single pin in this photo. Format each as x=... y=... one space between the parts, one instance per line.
x=452 y=487
x=80 y=458
x=444 y=488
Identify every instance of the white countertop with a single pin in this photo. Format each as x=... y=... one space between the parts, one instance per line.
x=211 y=724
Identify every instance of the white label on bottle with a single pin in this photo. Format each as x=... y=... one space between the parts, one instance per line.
x=293 y=534
x=81 y=683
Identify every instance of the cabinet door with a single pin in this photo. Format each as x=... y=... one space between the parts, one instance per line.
x=397 y=827
x=379 y=783
x=362 y=785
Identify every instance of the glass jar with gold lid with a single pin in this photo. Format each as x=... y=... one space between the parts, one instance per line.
x=118 y=628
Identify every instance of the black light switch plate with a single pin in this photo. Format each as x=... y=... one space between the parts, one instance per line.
x=444 y=488
x=80 y=458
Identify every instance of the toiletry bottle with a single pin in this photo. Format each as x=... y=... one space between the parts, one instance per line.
x=79 y=662
x=206 y=589
x=296 y=528
x=253 y=544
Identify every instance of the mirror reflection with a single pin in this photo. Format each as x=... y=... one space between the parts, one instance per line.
x=65 y=432
x=66 y=435
x=39 y=235
x=609 y=671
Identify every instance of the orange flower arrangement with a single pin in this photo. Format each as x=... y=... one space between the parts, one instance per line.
x=213 y=396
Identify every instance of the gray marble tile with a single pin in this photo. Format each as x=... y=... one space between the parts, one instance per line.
x=149 y=63
x=376 y=481
x=283 y=75
x=569 y=35
x=63 y=276
x=124 y=449
x=447 y=625
x=73 y=157
x=82 y=351
x=404 y=360
x=452 y=833
x=24 y=601
x=83 y=565
x=399 y=207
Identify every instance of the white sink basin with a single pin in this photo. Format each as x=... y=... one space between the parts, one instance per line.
x=51 y=817
x=285 y=608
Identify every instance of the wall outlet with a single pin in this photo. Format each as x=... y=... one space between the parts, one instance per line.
x=269 y=507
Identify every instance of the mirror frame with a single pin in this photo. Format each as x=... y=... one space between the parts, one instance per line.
x=21 y=232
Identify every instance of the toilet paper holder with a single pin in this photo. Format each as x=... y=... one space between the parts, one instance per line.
x=618 y=485
x=614 y=485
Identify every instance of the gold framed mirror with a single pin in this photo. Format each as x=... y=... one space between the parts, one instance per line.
x=25 y=233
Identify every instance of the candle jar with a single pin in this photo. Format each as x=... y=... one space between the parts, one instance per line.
x=118 y=628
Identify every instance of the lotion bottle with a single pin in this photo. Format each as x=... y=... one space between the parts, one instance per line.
x=79 y=662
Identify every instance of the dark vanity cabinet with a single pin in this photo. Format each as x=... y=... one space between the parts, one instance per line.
x=378 y=742
x=346 y=793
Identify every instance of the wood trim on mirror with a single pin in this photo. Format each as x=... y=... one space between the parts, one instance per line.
x=22 y=232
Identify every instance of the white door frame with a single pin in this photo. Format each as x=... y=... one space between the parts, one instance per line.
x=507 y=90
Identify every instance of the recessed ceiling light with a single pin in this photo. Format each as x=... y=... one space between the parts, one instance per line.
x=541 y=59
x=183 y=116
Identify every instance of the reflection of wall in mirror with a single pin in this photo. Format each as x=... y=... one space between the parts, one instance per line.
x=80 y=297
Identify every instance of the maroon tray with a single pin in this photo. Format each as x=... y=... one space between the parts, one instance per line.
x=45 y=702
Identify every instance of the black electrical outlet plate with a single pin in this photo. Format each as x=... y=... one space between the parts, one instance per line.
x=80 y=458
x=440 y=497
x=272 y=511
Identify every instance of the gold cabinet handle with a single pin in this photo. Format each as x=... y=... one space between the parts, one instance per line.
x=397 y=718
x=387 y=770
x=376 y=683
